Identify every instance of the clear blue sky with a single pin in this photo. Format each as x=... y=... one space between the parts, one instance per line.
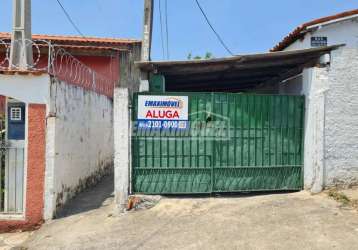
x=247 y=26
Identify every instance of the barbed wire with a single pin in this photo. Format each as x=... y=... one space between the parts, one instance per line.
x=4 y=62
x=60 y=64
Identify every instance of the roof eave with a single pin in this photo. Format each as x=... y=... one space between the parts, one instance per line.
x=300 y=30
x=154 y=66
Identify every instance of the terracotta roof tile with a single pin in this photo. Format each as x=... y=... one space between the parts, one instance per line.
x=22 y=72
x=297 y=33
x=78 y=39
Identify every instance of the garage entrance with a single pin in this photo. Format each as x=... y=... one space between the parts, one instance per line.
x=230 y=142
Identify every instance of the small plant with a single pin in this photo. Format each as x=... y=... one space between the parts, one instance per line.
x=340 y=197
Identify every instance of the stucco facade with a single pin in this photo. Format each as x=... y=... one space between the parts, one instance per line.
x=331 y=124
x=68 y=146
x=71 y=87
x=80 y=142
x=343 y=32
x=341 y=119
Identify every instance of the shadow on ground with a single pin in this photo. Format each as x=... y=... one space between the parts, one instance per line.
x=247 y=194
x=89 y=199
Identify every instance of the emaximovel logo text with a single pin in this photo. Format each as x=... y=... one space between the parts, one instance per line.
x=164 y=104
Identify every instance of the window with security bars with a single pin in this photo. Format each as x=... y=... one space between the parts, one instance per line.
x=15 y=114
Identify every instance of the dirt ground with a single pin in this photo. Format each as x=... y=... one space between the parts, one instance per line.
x=270 y=221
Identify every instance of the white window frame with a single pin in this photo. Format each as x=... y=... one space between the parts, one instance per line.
x=15 y=114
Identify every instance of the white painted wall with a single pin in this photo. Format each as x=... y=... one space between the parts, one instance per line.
x=331 y=122
x=341 y=119
x=344 y=32
x=79 y=133
x=26 y=88
x=314 y=88
x=331 y=129
x=122 y=140
x=80 y=122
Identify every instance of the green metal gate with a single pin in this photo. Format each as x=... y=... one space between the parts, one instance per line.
x=236 y=142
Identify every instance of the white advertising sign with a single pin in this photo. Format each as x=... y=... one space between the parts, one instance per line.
x=159 y=111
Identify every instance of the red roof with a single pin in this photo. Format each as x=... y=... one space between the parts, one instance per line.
x=78 y=41
x=298 y=32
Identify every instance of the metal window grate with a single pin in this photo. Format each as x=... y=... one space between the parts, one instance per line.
x=15 y=114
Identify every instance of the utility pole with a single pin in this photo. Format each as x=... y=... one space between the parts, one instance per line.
x=146 y=42
x=21 y=47
x=147 y=30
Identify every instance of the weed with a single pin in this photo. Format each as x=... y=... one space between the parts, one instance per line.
x=340 y=197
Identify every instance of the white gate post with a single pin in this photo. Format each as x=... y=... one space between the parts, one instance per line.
x=121 y=146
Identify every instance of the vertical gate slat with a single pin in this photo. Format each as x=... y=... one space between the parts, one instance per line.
x=249 y=133
x=235 y=129
x=262 y=130
x=269 y=129
x=288 y=132
x=283 y=104
x=255 y=106
x=228 y=129
x=212 y=99
x=242 y=130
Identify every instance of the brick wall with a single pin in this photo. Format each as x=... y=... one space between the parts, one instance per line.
x=35 y=172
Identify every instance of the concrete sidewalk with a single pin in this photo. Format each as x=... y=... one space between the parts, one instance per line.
x=11 y=240
x=277 y=221
x=272 y=221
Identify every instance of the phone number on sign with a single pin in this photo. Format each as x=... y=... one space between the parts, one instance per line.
x=163 y=124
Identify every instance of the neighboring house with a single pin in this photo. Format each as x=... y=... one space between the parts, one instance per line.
x=331 y=140
x=57 y=131
x=341 y=28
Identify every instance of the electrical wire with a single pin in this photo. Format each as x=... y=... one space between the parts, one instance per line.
x=70 y=19
x=212 y=28
x=167 y=28
x=161 y=27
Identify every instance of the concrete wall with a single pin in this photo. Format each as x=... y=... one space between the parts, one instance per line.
x=314 y=88
x=331 y=121
x=27 y=88
x=331 y=148
x=344 y=32
x=79 y=142
x=128 y=84
x=341 y=119
x=122 y=142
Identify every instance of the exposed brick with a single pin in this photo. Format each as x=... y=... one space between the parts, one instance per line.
x=35 y=172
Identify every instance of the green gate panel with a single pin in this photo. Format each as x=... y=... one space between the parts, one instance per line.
x=171 y=181
x=256 y=145
x=257 y=179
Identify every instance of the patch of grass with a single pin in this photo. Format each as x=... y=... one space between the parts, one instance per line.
x=340 y=197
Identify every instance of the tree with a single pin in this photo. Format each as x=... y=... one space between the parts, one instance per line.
x=208 y=55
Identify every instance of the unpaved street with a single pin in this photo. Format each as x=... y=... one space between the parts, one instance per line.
x=275 y=221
